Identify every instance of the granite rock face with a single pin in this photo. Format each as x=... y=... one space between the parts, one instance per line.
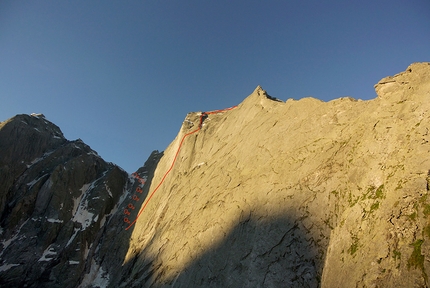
x=301 y=193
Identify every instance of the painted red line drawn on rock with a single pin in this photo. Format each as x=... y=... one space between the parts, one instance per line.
x=202 y=118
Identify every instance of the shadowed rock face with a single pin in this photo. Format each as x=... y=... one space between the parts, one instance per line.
x=270 y=194
x=58 y=198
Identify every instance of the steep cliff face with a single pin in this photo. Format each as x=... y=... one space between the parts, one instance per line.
x=302 y=193
x=269 y=194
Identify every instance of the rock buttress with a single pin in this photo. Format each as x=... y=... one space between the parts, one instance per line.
x=302 y=193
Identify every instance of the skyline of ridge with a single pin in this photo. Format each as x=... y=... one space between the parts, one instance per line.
x=122 y=77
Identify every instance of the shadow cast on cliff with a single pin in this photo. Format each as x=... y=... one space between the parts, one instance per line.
x=272 y=253
x=114 y=239
x=256 y=253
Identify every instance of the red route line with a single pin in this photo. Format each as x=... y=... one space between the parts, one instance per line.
x=202 y=116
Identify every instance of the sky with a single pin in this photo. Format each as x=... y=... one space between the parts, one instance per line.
x=122 y=75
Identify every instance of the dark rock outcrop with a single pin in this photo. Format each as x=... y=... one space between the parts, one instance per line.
x=58 y=202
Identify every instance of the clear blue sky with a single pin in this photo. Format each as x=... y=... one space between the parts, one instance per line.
x=122 y=75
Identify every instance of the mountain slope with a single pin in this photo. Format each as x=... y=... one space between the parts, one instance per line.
x=57 y=198
x=268 y=194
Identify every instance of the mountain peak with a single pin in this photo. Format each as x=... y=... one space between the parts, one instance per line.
x=259 y=90
x=37 y=115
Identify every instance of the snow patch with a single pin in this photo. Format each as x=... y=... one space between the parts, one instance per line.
x=31 y=184
x=97 y=277
x=73 y=236
x=50 y=220
x=83 y=216
x=108 y=190
x=93 y=153
x=37 y=115
x=102 y=222
x=6 y=243
x=77 y=201
x=131 y=178
x=124 y=195
x=80 y=205
x=71 y=262
x=47 y=253
x=39 y=159
x=6 y=267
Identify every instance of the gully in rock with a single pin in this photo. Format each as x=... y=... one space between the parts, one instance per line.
x=135 y=197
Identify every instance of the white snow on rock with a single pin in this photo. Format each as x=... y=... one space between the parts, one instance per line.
x=77 y=201
x=39 y=159
x=83 y=216
x=131 y=178
x=6 y=266
x=50 y=220
x=35 y=181
x=92 y=152
x=47 y=253
x=97 y=277
x=6 y=243
x=37 y=115
x=71 y=262
x=80 y=206
x=108 y=190
x=73 y=236
x=54 y=220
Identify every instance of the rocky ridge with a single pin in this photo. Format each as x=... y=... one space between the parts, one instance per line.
x=300 y=193
x=57 y=199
